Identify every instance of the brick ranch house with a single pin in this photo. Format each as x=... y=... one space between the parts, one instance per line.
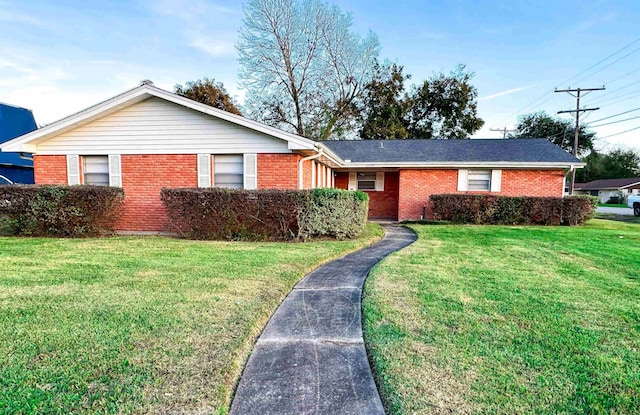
x=147 y=138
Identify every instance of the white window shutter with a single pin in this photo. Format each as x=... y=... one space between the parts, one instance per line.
x=115 y=171
x=212 y=171
x=204 y=170
x=496 y=180
x=250 y=171
x=379 y=181
x=353 y=181
x=462 y=180
x=73 y=169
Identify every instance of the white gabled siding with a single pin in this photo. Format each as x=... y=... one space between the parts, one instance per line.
x=156 y=126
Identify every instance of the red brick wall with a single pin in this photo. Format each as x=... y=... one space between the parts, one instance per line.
x=382 y=205
x=144 y=175
x=50 y=169
x=417 y=185
x=142 y=178
x=278 y=171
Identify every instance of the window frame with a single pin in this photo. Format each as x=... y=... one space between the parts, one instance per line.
x=85 y=170
x=358 y=181
x=470 y=172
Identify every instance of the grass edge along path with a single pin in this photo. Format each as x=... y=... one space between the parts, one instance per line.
x=139 y=324
x=496 y=319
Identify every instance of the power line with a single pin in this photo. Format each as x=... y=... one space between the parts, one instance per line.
x=623 y=76
x=620 y=98
x=577 y=111
x=602 y=60
x=536 y=101
x=618 y=89
x=621 y=132
x=609 y=65
x=616 y=115
x=613 y=122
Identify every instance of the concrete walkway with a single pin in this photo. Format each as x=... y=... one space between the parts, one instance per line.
x=310 y=359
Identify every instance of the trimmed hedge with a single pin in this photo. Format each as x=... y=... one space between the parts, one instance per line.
x=60 y=211
x=231 y=214
x=504 y=210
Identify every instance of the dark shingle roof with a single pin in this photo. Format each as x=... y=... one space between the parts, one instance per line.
x=529 y=150
x=607 y=183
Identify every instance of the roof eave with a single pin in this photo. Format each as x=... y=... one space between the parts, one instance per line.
x=28 y=142
x=461 y=164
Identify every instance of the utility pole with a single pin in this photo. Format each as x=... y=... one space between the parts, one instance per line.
x=504 y=131
x=577 y=111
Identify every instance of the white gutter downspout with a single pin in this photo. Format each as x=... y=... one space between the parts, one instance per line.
x=300 y=169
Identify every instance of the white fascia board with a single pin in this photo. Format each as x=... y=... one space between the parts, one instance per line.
x=30 y=140
x=629 y=185
x=456 y=165
x=139 y=94
x=333 y=157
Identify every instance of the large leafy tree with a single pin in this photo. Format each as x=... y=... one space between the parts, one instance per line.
x=557 y=130
x=303 y=67
x=443 y=106
x=384 y=107
x=616 y=164
x=210 y=92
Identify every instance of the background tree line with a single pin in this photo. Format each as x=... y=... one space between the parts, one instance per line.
x=306 y=71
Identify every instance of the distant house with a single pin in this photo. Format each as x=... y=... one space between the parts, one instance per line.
x=147 y=138
x=14 y=122
x=607 y=188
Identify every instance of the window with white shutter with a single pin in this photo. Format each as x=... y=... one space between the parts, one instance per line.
x=228 y=171
x=95 y=170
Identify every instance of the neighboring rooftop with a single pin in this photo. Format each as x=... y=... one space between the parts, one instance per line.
x=14 y=122
x=533 y=150
x=609 y=184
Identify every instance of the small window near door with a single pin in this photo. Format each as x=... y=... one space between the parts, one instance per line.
x=367 y=181
x=479 y=180
x=228 y=171
x=95 y=170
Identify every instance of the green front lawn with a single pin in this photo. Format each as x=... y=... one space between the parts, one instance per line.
x=509 y=320
x=138 y=325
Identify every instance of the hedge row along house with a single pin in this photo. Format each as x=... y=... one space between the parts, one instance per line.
x=147 y=138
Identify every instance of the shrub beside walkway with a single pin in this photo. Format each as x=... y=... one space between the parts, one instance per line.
x=311 y=356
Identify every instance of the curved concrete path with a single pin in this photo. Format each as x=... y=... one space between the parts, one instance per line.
x=310 y=359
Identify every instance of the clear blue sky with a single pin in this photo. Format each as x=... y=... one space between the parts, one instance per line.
x=60 y=57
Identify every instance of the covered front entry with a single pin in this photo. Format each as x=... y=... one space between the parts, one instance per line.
x=382 y=188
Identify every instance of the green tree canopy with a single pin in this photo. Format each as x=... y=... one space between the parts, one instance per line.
x=209 y=92
x=616 y=164
x=558 y=130
x=384 y=107
x=443 y=106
